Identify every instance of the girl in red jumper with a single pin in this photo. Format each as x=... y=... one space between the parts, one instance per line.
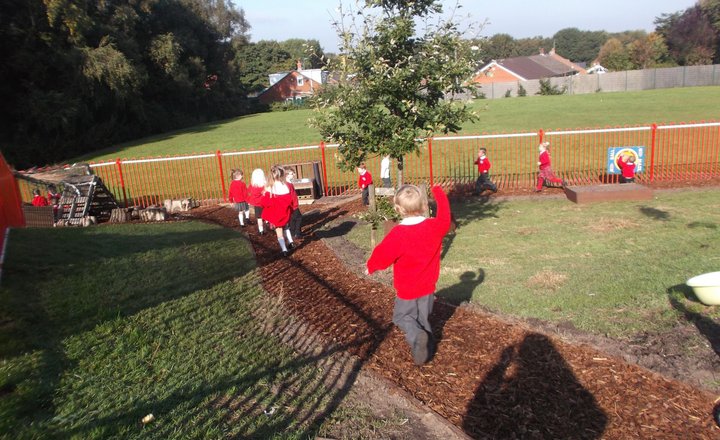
x=546 y=174
x=256 y=191
x=38 y=200
x=238 y=196
x=413 y=248
x=277 y=207
x=626 y=163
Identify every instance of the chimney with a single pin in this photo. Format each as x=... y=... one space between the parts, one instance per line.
x=299 y=65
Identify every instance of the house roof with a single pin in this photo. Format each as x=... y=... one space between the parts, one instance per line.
x=538 y=66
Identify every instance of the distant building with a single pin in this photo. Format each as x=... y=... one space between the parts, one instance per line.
x=539 y=66
x=292 y=86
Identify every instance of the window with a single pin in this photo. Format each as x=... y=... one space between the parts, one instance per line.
x=300 y=80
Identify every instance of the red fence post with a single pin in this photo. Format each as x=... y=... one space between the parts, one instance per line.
x=541 y=135
x=324 y=168
x=653 y=131
x=222 y=178
x=430 y=156
x=118 y=163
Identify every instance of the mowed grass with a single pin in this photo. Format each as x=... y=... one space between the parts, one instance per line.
x=526 y=114
x=614 y=268
x=102 y=326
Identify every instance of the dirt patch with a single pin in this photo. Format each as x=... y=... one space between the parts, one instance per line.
x=491 y=377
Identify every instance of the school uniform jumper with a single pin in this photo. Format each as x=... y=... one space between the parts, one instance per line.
x=255 y=199
x=546 y=173
x=483 y=181
x=238 y=194
x=413 y=248
x=39 y=201
x=627 y=171
x=277 y=206
x=364 y=181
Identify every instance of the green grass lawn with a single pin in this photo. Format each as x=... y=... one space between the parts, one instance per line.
x=611 y=268
x=526 y=114
x=102 y=326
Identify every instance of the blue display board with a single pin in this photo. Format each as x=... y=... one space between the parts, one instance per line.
x=615 y=152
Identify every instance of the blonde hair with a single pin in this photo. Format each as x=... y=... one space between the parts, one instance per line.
x=258 y=178
x=277 y=173
x=410 y=201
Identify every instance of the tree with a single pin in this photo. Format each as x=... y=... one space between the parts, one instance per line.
x=690 y=36
x=394 y=82
x=614 y=55
x=498 y=47
x=577 y=45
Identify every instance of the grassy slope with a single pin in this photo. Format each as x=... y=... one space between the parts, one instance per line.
x=609 y=268
x=102 y=326
x=500 y=115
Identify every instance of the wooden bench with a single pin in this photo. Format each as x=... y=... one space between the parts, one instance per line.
x=606 y=193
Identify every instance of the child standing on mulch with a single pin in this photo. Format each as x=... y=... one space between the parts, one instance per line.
x=255 y=196
x=364 y=182
x=546 y=175
x=238 y=195
x=626 y=163
x=483 y=181
x=277 y=207
x=414 y=247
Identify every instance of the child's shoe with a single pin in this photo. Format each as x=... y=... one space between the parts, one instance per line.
x=420 y=349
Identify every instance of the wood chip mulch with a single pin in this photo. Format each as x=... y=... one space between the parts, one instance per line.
x=489 y=377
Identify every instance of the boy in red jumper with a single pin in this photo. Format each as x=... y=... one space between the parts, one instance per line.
x=483 y=181
x=546 y=174
x=364 y=181
x=413 y=248
x=238 y=195
x=626 y=163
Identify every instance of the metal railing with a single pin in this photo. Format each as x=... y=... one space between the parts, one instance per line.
x=676 y=152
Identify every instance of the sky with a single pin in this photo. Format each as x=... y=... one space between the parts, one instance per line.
x=311 y=19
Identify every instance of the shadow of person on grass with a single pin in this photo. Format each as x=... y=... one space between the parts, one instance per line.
x=531 y=392
x=707 y=327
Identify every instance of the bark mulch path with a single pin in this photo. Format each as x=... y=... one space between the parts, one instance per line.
x=490 y=377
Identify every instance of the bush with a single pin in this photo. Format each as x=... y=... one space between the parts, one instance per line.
x=548 y=89
x=521 y=90
x=508 y=93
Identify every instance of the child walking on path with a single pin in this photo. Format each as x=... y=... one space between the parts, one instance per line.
x=626 y=163
x=413 y=248
x=277 y=207
x=238 y=195
x=364 y=181
x=296 y=216
x=483 y=181
x=255 y=196
x=546 y=175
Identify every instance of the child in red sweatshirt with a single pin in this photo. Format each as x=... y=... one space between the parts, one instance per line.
x=364 y=181
x=413 y=248
x=38 y=200
x=277 y=207
x=238 y=195
x=546 y=175
x=626 y=163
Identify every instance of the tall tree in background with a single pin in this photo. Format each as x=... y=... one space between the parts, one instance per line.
x=690 y=36
x=83 y=74
x=577 y=45
x=395 y=81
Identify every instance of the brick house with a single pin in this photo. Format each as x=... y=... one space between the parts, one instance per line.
x=293 y=86
x=539 y=66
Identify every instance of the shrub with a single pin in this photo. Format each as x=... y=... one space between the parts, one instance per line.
x=521 y=90
x=548 y=89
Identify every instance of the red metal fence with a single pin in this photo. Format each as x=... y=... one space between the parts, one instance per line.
x=677 y=152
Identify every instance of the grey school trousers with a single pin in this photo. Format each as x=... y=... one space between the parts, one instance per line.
x=412 y=316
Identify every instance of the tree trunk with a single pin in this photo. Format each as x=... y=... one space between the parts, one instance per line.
x=400 y=164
